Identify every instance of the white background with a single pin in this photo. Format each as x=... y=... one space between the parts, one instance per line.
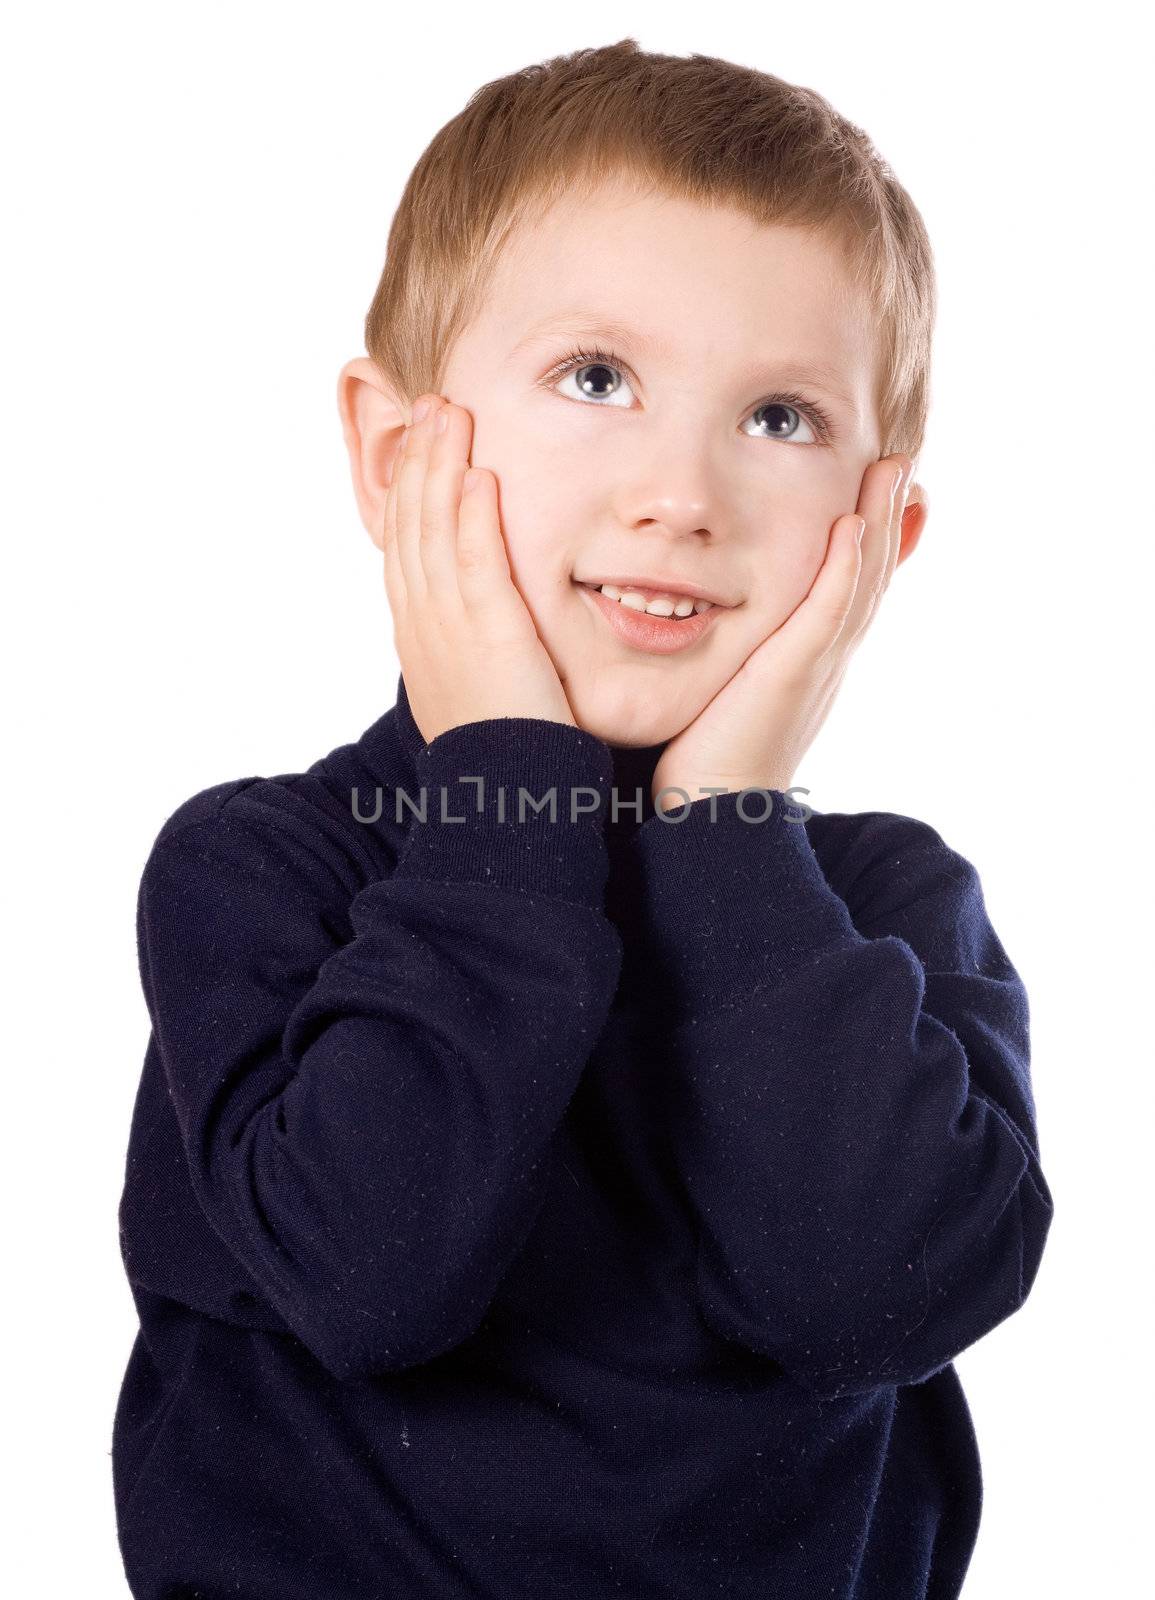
x=196 y=202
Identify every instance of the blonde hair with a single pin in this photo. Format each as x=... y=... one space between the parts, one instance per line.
x=696 y=128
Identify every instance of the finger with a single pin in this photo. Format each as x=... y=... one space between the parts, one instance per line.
x=447 y=461
x=408 y=478
x=483 y=572
x=815 y=627
x=877 y=500
x=901 y=496
x=394 y=577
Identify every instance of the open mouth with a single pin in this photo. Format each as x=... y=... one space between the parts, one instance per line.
x=651 y=621
x=651 y=600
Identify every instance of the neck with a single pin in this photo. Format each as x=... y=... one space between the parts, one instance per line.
x=633 y=770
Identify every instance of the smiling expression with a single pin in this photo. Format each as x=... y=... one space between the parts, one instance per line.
x=670 y=392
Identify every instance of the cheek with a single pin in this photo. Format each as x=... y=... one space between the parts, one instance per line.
x=542 y=504
x=802 y=561
x=533 y=521
x=785 y=570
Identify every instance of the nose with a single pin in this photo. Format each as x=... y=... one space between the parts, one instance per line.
x=672 y=503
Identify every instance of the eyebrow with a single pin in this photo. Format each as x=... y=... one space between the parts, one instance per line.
x=583 y=324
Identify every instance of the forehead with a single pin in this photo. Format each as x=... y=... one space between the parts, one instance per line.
x=672 y=279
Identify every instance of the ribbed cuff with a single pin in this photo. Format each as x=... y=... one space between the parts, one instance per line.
x=734 y=896
x=516 y=802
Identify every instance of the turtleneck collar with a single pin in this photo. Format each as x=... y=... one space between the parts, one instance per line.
x=633 y=767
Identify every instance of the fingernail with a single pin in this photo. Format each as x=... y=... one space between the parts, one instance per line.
x=422 y=408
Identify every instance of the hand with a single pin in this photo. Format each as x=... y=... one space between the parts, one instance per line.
x=755 y=730
x=467 y=644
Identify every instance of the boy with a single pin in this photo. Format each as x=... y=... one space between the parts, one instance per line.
x=561 y=1167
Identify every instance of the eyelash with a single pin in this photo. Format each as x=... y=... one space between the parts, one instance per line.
x=581 y=358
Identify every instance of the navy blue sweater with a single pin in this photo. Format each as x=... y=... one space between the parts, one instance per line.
x=521 y=1207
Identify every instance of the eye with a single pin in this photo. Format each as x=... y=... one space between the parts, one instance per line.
x=595 y=373
x=782 y=415
x=597 y=377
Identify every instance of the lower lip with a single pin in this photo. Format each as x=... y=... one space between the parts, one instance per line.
x=642 y=631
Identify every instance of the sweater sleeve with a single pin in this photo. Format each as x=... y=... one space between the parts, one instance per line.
x=365 y=1117
x=852 y=1107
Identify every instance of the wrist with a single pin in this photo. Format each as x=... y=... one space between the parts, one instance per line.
x=670 y=794
x=512 y=802
x=734 y=897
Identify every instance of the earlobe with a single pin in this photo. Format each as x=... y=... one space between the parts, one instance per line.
x=372 y=420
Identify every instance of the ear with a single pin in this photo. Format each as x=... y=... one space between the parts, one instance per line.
x=914 y=518
x=372 y=419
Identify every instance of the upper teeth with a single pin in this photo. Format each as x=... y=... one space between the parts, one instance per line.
x=662 y=605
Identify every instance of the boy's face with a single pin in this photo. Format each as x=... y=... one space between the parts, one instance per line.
x=684 y=459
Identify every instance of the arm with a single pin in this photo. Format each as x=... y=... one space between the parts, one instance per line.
x=364 y=1118
x=853 y=1115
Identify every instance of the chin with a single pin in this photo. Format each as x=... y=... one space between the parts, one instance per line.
x=624 y=718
